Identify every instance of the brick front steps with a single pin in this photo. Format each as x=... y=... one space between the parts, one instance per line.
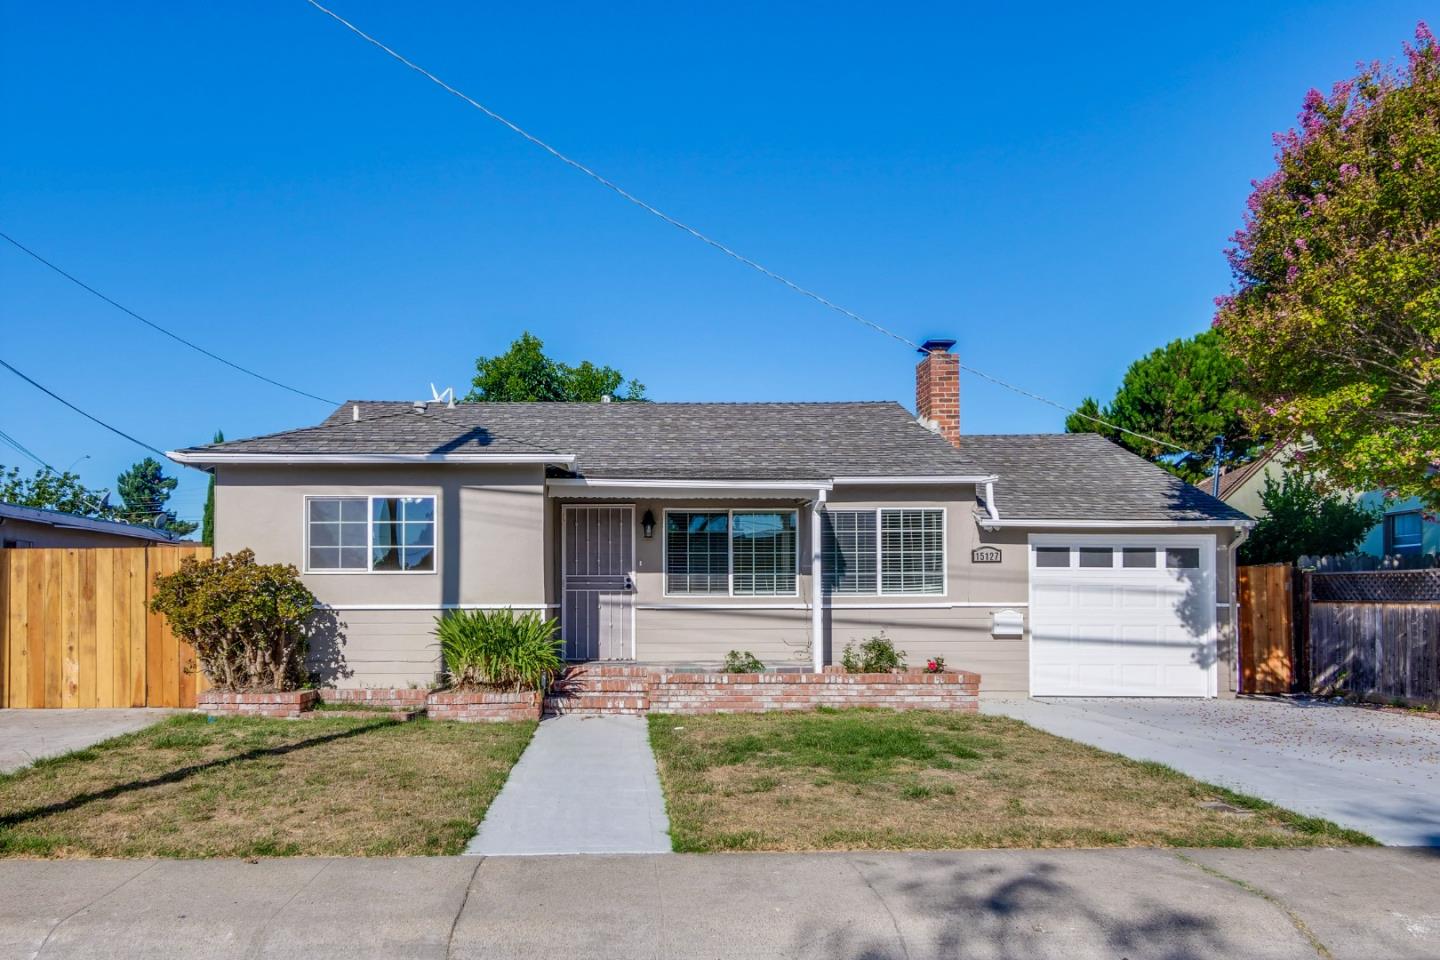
x=595 y=689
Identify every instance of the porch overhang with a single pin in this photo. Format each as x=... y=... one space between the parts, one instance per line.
x=607 y=488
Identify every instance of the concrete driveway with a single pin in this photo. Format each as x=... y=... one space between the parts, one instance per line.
x=28 y=735
x=1365 y=769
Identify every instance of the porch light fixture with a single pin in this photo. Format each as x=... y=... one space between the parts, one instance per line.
x=647 y=524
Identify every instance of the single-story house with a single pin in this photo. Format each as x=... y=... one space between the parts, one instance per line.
x=36 y=527
x=671 y=533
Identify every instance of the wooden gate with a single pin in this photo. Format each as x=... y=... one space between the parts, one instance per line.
x=1267 y=628
x=76 y=629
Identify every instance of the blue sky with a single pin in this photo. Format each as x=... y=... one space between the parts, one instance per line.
x=1050 y=186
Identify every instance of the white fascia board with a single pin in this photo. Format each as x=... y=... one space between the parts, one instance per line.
x=900 y=481
x=1111 y=524
x=215 y=459
x=607 y=483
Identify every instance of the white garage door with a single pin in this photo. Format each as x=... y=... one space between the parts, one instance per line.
x=1122 y=616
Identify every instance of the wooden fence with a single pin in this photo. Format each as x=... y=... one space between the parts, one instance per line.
x=1268 y=628
x=1378 y=651
x=76 y=629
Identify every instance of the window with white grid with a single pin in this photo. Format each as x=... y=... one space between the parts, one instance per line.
x=850 y=551
x=697 y=552
x=912 y=551
x=370 y=534
x=762 y=545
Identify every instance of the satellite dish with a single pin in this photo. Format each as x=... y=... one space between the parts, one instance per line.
x=105 y=501
x=158 y=521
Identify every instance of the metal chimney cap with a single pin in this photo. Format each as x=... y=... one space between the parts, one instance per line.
x=936 y=346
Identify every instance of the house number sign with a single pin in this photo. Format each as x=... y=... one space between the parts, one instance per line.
x=985 y=555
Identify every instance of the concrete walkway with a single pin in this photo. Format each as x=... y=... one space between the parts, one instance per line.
x=1371 y=904
x=584 y=785
x=1369 y=770
x=28 y=735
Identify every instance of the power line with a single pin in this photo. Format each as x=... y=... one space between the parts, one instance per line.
x=155 y=326
x=681 y=225
x=23 y=450
x=91 y=417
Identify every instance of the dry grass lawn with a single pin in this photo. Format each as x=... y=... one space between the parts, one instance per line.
x=878 y=780
x=242 y=787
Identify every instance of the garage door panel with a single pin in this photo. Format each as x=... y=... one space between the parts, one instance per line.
x=1126 y=631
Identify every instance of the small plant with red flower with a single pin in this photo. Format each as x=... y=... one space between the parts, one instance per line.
x=935 y=665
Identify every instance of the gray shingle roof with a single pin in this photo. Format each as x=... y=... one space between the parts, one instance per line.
x=1042 y=476
x=722 y=441
x=1083 y=476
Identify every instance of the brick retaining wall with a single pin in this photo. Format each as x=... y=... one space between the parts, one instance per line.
x=285 y=704
x=394 y=698
x=602 y=689
x=483 y=706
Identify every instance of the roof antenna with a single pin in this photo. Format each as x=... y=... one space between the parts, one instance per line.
x=448 y=395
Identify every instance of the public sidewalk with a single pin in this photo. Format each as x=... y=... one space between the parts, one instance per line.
x=584 y=785
x=1368 y=904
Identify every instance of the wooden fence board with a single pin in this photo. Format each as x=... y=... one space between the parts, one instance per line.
x=76 y=631
x=1382 y=651
x=1267 y=628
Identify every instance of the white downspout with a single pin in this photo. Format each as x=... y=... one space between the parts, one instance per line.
x=1235 y=543
x=817 y=586
x=990 y=507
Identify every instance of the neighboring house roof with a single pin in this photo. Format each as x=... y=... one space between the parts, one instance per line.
x=1235 y=478
x=1083 y=476
x=723 y=441
x=74 y=521
x=1041 y=476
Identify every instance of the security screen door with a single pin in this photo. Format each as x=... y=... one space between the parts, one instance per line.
x=597 y=619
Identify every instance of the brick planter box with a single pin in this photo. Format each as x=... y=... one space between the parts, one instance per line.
x=758 y=692
x=286 y=704
x=392 y=698
x=484 y=706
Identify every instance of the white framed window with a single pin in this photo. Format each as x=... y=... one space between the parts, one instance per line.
x=370 y=534
x=887 y=551
x=742 y=553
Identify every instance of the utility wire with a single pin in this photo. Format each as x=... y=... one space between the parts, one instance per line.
x=23 y=450
x=91 y=417
x=703 y=238
x=155 y=326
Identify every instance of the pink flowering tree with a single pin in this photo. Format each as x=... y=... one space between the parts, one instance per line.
x=1335 y=313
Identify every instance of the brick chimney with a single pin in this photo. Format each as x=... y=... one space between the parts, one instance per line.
x=937 y=388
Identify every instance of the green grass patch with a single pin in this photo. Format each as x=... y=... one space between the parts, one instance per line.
x=193 y=786
x=882 y=780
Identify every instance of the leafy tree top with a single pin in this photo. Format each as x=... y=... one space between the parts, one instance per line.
x=524 y=373
x=145 y=490
x=1186 y=392
x=1335 y=314
x=1303 y=518
x=49 y=490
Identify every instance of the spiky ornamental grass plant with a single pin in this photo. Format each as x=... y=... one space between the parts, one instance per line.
x=498 y=648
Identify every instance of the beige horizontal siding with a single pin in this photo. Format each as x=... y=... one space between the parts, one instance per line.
x=378 y=648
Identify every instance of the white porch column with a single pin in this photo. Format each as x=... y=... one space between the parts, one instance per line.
x=817 y=584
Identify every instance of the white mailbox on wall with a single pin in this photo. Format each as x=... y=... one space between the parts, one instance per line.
x=1007 y=623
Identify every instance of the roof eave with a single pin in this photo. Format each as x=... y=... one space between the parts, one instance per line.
x=990 y=524
x=217 y=458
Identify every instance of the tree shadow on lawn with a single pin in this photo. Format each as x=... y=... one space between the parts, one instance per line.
x=182 y=773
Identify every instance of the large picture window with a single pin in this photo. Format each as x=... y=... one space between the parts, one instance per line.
x=886 y=551
x=731 y=552
x=370 y=534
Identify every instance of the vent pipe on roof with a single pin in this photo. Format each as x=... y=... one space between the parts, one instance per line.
x=355 y=411
x=605 y=398
x=419 y=406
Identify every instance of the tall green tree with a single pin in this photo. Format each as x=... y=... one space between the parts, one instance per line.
x=1186 y=392
x=1335 y=314
x=51 y=490
x=207 y=520
x=525 y=373
x=1304 y=517
x=145 y=490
